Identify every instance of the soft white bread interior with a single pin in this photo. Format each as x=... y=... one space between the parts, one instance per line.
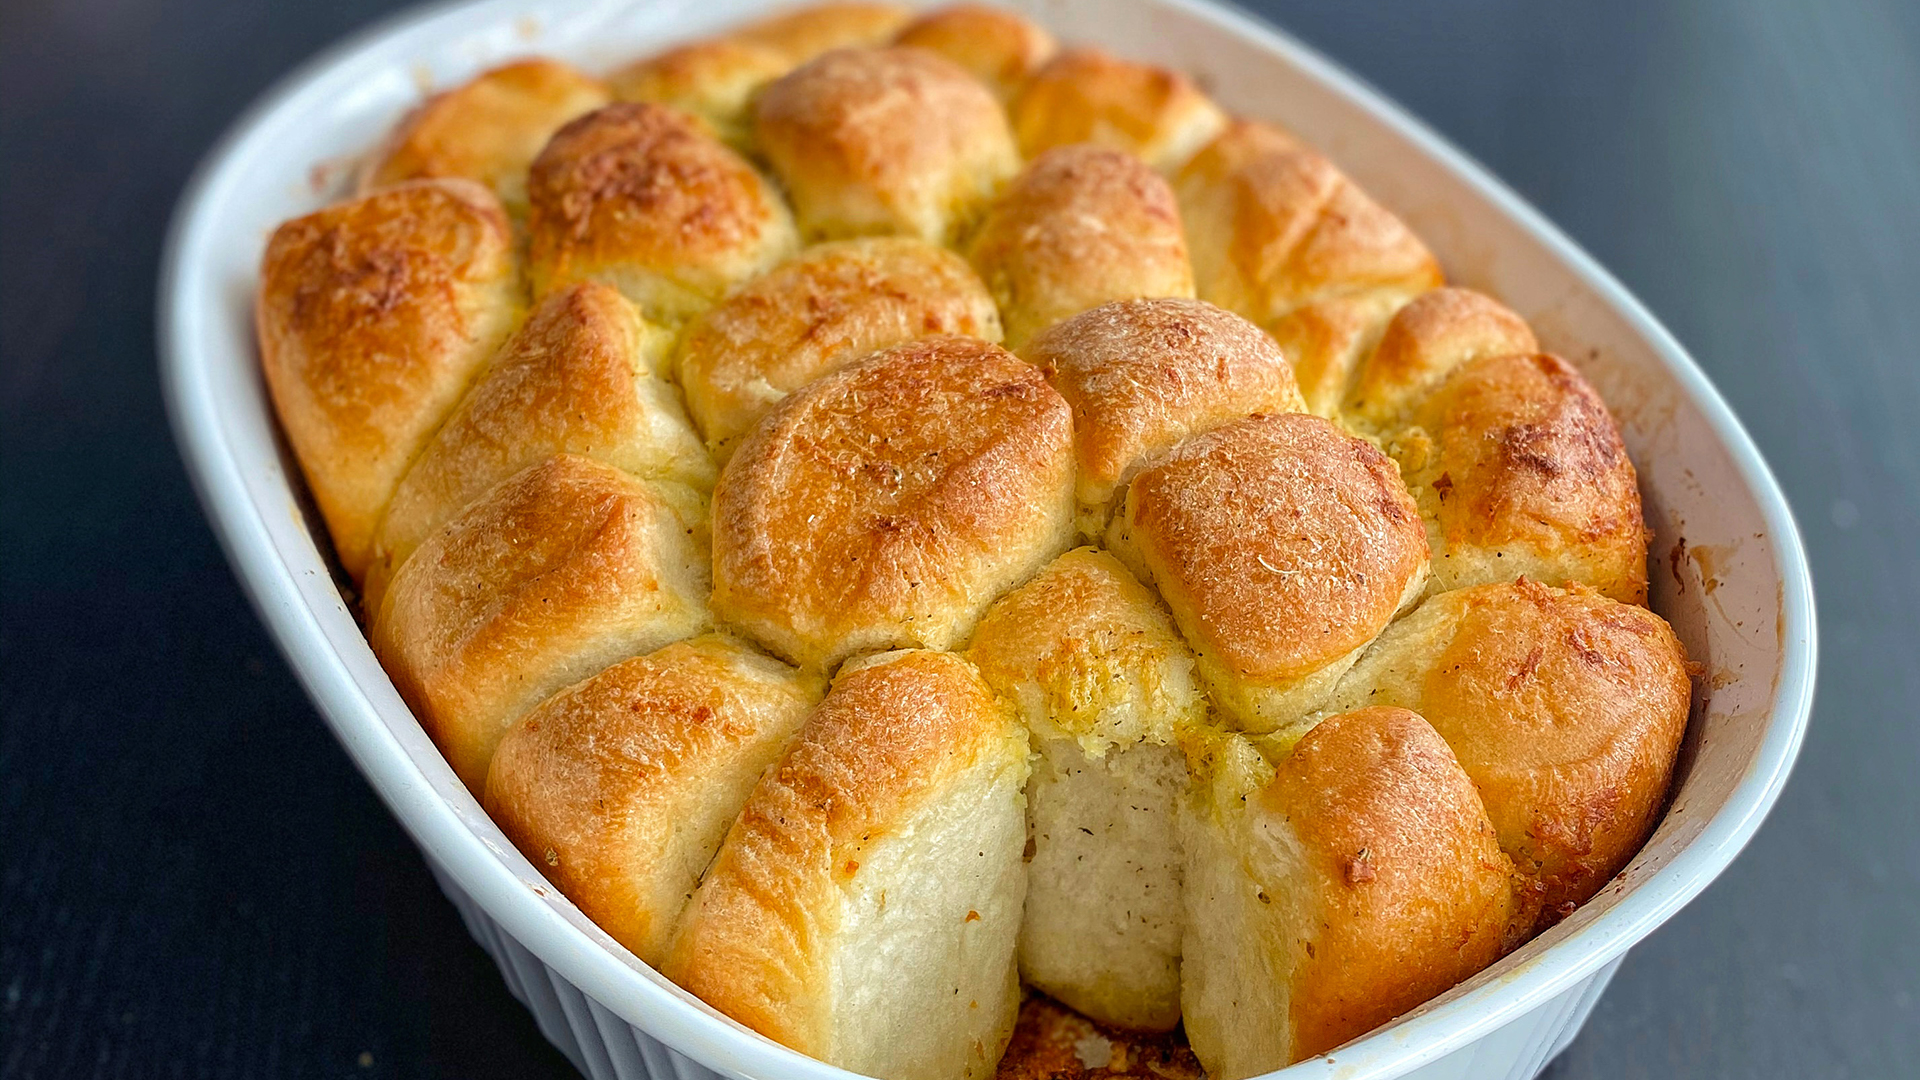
x=1360 y=880
x=620 y=788
x=864 y=907
x=1141 y=375
x=1081 y=225
x=644 y=198
x=1565 y=707
x=895 y=141
x=998 y=46
x=581 y=376
x=373 y=316
x=488 y=129
x=890 y=503
x=1283 y=546
x=559 y=571
x=830 y=305
x=1086 y=95
x=1105 y=686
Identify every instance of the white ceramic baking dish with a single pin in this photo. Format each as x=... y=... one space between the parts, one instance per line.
x=1737 y=590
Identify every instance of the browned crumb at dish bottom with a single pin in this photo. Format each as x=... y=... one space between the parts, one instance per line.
x=1052 y=1042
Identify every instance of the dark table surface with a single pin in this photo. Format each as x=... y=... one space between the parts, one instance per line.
x=195 y=882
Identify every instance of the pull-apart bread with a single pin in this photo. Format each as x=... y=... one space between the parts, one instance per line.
x=865 y=904
x=1081 y=225
x=374 y=316
x=884 y=142
x=489 y=129
x=1107 y=688
x=643 y=198
x=1333 y=892
x=919 y=531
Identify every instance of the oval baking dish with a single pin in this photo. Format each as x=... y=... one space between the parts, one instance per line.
x=1728 y=571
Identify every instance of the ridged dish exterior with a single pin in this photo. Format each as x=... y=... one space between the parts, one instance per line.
x=605 y=1047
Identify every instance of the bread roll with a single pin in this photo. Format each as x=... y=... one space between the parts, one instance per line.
x=1237 y=142
x=830 y=305
x=804 y=32
x=1080 y=226
x=559 y=571
x=1283 y=546
x=999 y=47
x=1143 y=374
x=1086 y=95
x=1274 y=229
x=864 y=906
x=1358 y=882
x=1429 y=338
x=640 y=197
x=1565 y=707
x=1281 y=236
x=888 y=504
x=619 y=789
x=884 y=141
x=1521 y=471
x=580 y=377
x=488 y=129
x=714 y=80
x=373 y=316
x=1105 y=686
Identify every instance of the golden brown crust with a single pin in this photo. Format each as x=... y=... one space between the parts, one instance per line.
x=559 y=571
x=577 y=378
x=1329 y=343
x=488 y=129
x=805 y=32
x=373 y=315
x=885 y=742
x=1086 y=95
x=1565 y=707
x=1567 y=710
x=620 y=789
x=999 y=47
x=714 y=80
x=1426 y=340
x=1282 y=546
x=638 y=196
x=1239 y=142
x=1086 y=653
x=1529 y=477
x=889 y=503
x=1410 y=892
x=832 y=304
x=1273 y=229
x=884 y=141
x=1080 y=226
x=1141 y=375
